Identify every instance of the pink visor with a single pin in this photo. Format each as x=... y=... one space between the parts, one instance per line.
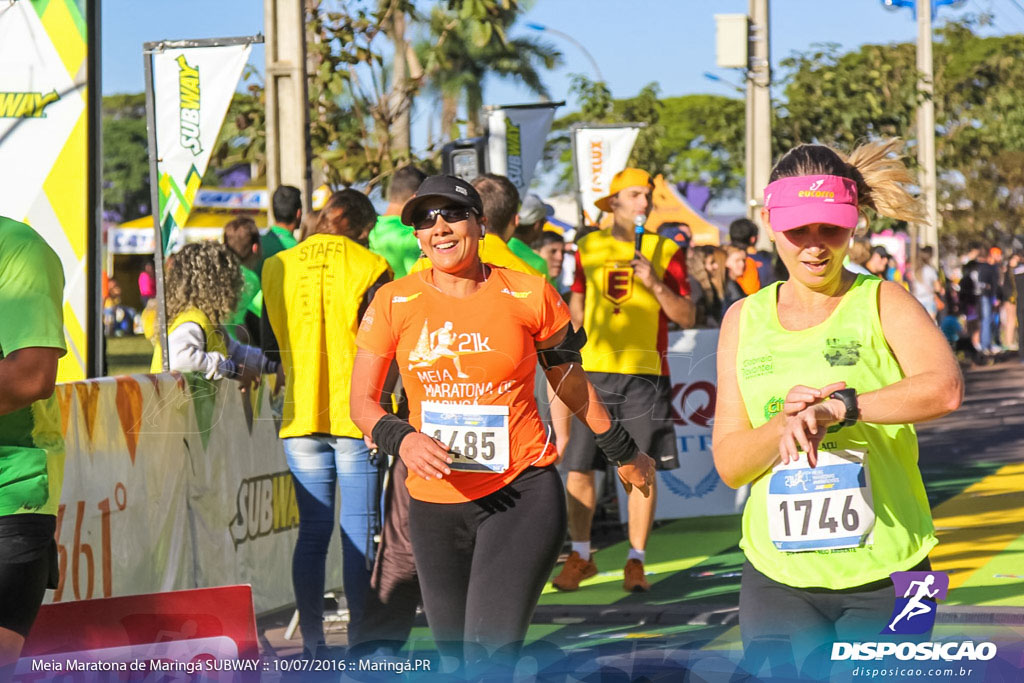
x=803 y=200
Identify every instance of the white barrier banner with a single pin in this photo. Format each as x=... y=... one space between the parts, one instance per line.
x=599 y=153
x=174 y=483
x=694 y=489
x=122 y=526
x=515 y=141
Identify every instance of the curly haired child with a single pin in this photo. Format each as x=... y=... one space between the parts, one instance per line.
x=203 y=286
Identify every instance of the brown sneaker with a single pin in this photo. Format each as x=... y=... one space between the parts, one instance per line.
x=574 y=570
x=635 y=581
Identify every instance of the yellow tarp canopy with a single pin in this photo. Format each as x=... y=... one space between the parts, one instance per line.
x=204 y=218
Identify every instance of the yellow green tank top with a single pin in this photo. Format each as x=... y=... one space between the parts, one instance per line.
x=214 y=338
x=787 y=524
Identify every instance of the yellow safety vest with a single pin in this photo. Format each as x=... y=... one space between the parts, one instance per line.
x=214 y=338
x=313 y=293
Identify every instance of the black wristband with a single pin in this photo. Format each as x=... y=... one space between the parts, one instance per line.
x=617 y=445
x=389 y=432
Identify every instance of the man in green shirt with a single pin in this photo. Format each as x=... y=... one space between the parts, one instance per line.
x=31 y=439
x=243 y=239
x=391 y=238
x=532 y=215
x=286 y=206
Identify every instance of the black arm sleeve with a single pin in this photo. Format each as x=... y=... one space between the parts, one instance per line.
x=268 y=342
x=384 y=278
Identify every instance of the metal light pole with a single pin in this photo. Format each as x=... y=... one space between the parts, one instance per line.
x=928 y=180
x=566 y=36
x=926 y=124
x=287 y=124
x=742 y=42
x=759 y=117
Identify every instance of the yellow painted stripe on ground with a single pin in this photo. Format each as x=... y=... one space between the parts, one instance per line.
x=65 y=186
x=67 y=39
x=730 y=640
x=979 y=523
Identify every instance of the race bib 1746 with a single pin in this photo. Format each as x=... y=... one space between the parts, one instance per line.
x=821 y=508
x=476 y=435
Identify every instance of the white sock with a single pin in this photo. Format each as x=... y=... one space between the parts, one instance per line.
x=582 y=548
x=635 y=554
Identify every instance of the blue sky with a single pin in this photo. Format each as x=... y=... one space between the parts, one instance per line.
x=669 y=41
x=633 y=42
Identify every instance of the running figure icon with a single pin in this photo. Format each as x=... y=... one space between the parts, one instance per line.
x=798 y=479
x=916 y=607
x=436 y=345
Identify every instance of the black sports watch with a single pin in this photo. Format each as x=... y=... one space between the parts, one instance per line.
x=849 y=398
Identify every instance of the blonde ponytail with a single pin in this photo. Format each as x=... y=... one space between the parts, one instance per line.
x=882 y=178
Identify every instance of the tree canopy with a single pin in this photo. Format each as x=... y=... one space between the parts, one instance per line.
x=843 y=98
x=369 y=60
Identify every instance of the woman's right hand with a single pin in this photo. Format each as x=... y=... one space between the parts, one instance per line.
x=638 y=472
x=425 y=455
x=805 y=430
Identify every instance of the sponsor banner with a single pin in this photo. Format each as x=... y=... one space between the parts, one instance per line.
x=192 y=88
x=172 y=482
x=694 y=489
x=251 y=200
x=44 y=146
x=515 y=141
x=176 y=635
x=599 y=153
x=130 y=240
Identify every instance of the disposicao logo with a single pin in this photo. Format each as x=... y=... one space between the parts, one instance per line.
x=916 y=597
x=914 y=613
x=26 y=105
x=188 y=106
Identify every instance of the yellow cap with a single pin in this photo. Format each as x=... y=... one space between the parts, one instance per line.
x=320 y=197
x=627 y=177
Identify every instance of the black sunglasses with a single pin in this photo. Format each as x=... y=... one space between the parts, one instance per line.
x=450 y=215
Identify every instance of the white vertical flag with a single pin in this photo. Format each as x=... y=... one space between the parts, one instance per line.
x=515 y=140
x=599 y=153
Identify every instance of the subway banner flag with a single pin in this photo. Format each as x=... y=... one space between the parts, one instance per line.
x=44 y=158
x=192 y=88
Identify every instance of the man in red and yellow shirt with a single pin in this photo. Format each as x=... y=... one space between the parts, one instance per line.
x=624 y=300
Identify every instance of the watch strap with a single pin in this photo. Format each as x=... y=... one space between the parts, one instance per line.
x=849 y=398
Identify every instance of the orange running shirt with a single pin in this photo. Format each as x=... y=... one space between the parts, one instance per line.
x=750 y=281
x=476 y=350
x=627 y=331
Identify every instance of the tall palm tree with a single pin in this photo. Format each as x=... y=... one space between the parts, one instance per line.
x=457 y=62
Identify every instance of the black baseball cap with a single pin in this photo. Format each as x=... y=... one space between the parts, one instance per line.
x=452 y=188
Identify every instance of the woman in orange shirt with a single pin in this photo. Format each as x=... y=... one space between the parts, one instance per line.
x=487 y=516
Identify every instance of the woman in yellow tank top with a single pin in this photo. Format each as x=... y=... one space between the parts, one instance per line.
x=820 y=379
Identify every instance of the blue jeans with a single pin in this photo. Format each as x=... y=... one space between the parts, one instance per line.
x=986 y=322
x=318 y=464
